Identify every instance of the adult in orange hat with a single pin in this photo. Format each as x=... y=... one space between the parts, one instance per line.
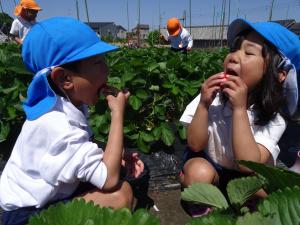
x=26 y=12
x=179 y=38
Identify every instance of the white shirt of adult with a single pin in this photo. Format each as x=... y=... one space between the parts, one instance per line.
x=182 y=40
x=219 y=146
x=51 y=156
x=20 y=27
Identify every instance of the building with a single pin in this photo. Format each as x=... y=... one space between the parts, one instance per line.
x=106 y=29
x=143 y=29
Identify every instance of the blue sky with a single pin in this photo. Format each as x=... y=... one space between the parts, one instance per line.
x=202 y=11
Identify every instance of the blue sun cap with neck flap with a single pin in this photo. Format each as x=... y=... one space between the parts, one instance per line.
x=288 y=45
x=51 y=43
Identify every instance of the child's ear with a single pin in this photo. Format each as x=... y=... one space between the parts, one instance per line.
x=282 y=76
x=62 y=78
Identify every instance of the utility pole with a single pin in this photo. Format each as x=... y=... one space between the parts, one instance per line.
x=184 y=18
x=77 y=9
x=1 y=6
x=159 y=16
x=271 y=10
x=229 y=6
x=222 y=21
x=127 y=17
x=87 y=11
x=191 y=17
x=139 y=21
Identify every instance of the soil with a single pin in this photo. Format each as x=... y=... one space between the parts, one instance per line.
x=167 y=207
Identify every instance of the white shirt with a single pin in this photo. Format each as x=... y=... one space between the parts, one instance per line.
x=219 y=146
x=51 y=156
x=182 y=40
x=21 y=27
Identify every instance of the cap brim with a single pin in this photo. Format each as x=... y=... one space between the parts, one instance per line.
x=237 y=27
x=99 y=48
x=175 y=33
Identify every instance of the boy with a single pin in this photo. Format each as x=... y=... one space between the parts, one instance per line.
x=53 y=153
x=26 y=13
x=178 y=36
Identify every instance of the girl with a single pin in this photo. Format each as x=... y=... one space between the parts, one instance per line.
x=239 y=113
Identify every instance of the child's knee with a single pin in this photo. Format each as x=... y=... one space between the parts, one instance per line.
x=198 y=170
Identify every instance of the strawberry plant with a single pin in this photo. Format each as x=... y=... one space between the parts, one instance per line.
x=161 y=83
x=280 y=207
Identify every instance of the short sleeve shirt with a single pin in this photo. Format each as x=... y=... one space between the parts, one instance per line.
x=219 y=146
x=21 y=27
x=51 y=156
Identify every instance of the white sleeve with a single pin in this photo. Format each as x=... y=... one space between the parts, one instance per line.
x=189 y=111
x=190 y=41
x=71 y=157
x=270 y=134
x=15 y=27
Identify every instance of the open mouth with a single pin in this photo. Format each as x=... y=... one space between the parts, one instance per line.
x=231 y=72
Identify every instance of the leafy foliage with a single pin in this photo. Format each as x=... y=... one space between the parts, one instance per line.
x=276 y=177
x=282 y=206
x=14 y=79
x=153 y=38
x=205 y=194
x=161 y=83
x=80 y=212
x=240 y=190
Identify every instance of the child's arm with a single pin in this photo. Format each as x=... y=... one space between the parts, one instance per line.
x=243 y=143
x=197 y=136
x=18 y=40
x=113 y=152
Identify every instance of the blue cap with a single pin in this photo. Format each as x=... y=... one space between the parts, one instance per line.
x=51 y=43
x=286 y=42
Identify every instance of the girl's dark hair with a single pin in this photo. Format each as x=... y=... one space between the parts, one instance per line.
x=268 y=97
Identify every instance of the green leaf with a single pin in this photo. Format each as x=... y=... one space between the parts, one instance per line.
x=142 y=94
x=167 y=135
x=162 y=65
x=4 y=131
x=182 y=132
x=254 y=219
x=147 y=137
x=216 y=217
x=175 y=90
x=241 y=189
x=142 y=146
x=154 y=88
x=135 y=102
x=202 y=193
x=282 y=206
x=157 y=133
x=152 y=67
x=79 y=212
x=277 y=178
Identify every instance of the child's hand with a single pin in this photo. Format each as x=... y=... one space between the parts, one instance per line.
x=236 y=90
x=133 y=165
x=116 y=99
x=210 y=88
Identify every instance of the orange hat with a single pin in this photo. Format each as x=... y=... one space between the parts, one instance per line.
x=26 y=4
x=173 y=26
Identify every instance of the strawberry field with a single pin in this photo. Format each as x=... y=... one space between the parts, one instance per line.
x=161 y=83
